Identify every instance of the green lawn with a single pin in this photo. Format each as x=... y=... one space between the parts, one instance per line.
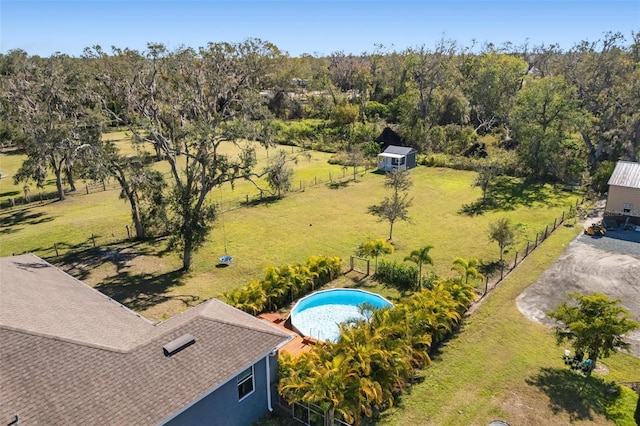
x=503 y=366
x=500 y=366
x=322 y=220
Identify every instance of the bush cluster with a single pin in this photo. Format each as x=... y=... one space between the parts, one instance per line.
x=282 y=285
x=401 y=276
x=374 y=360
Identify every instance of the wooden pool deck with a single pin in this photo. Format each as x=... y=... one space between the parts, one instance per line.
x=299 y=344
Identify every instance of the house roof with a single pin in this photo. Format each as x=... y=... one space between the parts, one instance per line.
x=626 y=173
x=398 y=150
x=71 y=355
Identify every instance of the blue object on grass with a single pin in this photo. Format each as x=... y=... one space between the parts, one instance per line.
x=226 y=259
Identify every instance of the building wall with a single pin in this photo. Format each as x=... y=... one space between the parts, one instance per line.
x=617 y=198
x=386 y=164
x=222 y=406
x=411 y=160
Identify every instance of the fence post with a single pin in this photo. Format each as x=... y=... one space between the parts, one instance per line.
x=55 y=247
x=128 y=232
x=554 y=223
x=86 y=187
x=486 y=284
x=515 y=262
x=93 y=238
x=536 y=240
x=562 y=218
x=526 y=252
x=315 y=178
x=546 y=230
x=41 y=197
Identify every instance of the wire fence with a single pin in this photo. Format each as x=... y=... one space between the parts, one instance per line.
x=126 y=232
x=29 y=197
x=261 y=195
x=509 y=265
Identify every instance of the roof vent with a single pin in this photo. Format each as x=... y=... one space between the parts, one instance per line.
x=175 y=346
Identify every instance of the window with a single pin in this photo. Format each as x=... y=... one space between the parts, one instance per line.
x=245 y=383
x=627 y=208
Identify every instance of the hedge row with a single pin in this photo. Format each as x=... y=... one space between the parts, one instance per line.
x=282 y=285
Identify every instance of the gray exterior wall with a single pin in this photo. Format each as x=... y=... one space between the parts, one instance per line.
x=408 y=161
x=411 y=160
x=222 y=406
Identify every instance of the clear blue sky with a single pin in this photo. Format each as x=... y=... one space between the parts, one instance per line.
x=42 y=27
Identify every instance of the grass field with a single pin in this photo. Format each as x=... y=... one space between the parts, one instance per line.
x=322 y=220
x=503 y=366
x=499 y=366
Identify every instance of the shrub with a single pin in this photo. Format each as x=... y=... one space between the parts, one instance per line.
x=375 y=110
x=283 y=284
x=401 y=276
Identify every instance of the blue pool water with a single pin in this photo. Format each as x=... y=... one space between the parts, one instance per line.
x=319 y=314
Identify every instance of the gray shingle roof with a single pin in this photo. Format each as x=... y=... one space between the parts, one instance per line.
x=626 y=173
x=53 y=371
x=399 y=150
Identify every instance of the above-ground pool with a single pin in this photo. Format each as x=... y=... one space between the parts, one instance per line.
x=319 y=314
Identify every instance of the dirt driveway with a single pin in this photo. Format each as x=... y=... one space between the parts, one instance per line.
x=609 y=265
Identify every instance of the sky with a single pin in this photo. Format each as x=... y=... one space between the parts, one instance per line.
x=315 y=27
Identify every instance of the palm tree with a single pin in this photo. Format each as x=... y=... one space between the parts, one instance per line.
x=420 y=256
x=274 y=289
x=252 y=298
x=463 y=294
x=322 y=381
x=374 y=248
x=467 y=268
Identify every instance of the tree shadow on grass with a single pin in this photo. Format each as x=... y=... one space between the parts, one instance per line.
x=579 y=396
x=22 y=217
x=80 y=263
x=143 y=291
x=338 y=184
x=9 y=194
x=261 y=201
x=507 y=194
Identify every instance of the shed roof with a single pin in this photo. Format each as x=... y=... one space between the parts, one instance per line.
x=71 y=355
x=399 y=150
x=626 y=173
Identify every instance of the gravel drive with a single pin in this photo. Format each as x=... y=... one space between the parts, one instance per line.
x=608 y=264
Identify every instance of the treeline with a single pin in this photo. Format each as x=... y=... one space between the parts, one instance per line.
x=534 y=111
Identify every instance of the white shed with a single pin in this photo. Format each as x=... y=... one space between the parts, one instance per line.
x=397 y=158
